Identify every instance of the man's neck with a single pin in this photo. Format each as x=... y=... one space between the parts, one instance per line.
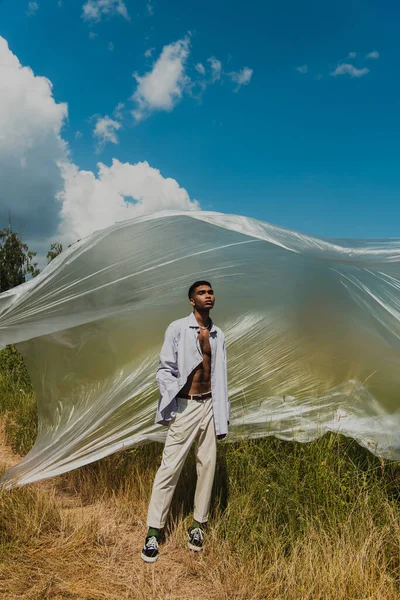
x=202 y=317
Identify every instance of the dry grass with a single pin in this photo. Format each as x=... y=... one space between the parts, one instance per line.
x=79 y=536
x=318 y=521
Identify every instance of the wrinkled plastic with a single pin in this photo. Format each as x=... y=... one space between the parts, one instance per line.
x=312 y=329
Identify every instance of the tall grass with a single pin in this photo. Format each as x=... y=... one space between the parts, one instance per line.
x=17 y=401
x=289 y=521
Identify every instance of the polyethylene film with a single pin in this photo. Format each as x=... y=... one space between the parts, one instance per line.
x=312 y=329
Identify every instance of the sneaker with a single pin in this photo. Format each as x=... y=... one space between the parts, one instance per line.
x=150 y=549
x=196 y=536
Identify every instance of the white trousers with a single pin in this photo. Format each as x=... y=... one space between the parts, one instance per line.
x=194 y=422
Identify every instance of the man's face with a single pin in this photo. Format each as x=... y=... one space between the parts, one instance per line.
x=203 y=298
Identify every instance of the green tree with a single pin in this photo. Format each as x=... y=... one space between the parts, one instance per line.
x=55 y=250
x=16 y=263
x=16 y=260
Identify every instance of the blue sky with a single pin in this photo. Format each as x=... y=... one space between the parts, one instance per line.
x=309 y=140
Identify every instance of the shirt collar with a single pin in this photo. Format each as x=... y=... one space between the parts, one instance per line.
x=194 y=323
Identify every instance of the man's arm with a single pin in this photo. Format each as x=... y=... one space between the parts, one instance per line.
x=167 y=370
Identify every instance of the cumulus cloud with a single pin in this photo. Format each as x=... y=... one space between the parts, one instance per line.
x=216 y=68
x=94 y=10
x=105 y=131
x=242 y=77
x=373 y=54
x=163 y=86
x=32 y=9
x=31 y=147
x=347 y=69
x=41 y=187
x=302 y=69
x=116 y=193
x=149 y=52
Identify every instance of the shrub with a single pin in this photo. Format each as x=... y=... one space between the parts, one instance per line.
x=13 y=367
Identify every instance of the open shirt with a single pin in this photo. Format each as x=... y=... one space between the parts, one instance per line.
x=179 y=356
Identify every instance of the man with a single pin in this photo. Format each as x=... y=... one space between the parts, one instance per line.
x=194 y=404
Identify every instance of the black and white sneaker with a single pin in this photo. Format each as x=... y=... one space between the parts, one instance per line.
x=196 y=536
x=150 y=549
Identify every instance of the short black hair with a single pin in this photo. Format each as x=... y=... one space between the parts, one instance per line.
x=195 y=285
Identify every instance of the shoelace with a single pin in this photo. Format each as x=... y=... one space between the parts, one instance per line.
x=152 y=543
x=197 y=534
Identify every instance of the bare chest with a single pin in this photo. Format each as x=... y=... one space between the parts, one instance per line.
x=204 y=341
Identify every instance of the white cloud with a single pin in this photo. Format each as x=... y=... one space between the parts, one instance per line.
x=149 y=52
x=118 y=110
x=32 y=9
x=302 y=69
x=216 y=68
x=40 y=186
x=43 y=189
x=352 y=54
x=111 y=46
x=373 y=54
x=92 y=35
x=346 y=69
x=243 y=77
x=31 y=147
x=200 y=69
x=91 y=202
x=150 y=8
x=78 y=135
x=105 y=131
x=94 y=10
x=163 y=86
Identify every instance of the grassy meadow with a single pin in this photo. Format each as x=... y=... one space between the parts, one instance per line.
x=317 y=521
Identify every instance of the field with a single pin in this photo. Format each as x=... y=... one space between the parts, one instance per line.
x=318 y=521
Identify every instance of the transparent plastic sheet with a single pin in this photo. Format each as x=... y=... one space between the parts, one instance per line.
x=312 y=329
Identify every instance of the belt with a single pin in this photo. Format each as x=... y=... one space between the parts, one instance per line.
x=195 y=396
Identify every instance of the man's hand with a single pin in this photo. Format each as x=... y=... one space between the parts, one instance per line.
x=222 y=436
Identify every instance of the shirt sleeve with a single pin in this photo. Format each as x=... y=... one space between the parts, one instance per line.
x=226 y=379
x=167 y=371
